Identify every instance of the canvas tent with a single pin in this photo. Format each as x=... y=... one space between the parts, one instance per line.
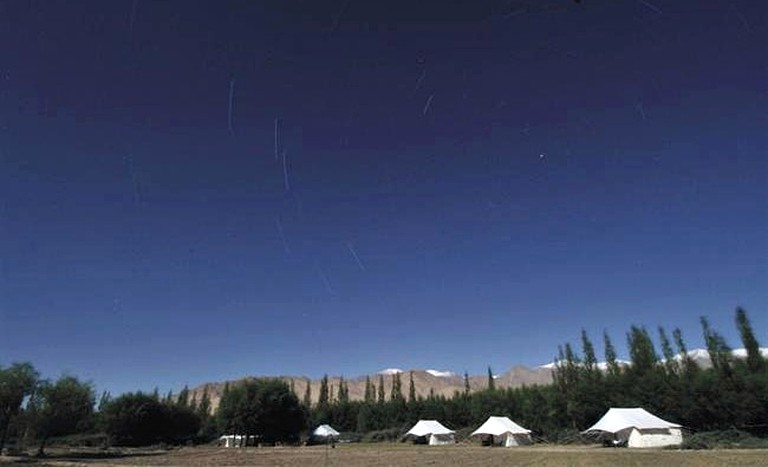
x=503 y=431
x=325 y=431
x=432 y=432
x=636 y=428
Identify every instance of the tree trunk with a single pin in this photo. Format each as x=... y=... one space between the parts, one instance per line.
x=41 y=450
x=4 y=425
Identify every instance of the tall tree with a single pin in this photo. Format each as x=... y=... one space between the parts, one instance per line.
x=719 y=351
x=689 y=366
x=369 y=391
x=381 y=397
x=17 y=382
x=641 y=351
x=670 y=362
x=466 y=383
x=307 y=401
x=491 y=380
x=588 y=351
x=610 y=355
x=104 y=400
x=183 y=399
x=343 y=394
x=755 y=361
x=324 y=397
x=263 y=406
x=411 y=389
x=397 y=390
x=62 y=408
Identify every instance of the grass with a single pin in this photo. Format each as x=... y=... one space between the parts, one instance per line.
x=400 y=454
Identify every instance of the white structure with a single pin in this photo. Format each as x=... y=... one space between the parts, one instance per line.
x=325 y=431
x=236 y=441
x=637 y=428
x=433 y=431
x=504 y=432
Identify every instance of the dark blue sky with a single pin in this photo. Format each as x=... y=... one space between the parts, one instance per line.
x=452 y=186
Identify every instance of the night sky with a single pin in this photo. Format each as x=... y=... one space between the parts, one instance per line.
x=194 y=191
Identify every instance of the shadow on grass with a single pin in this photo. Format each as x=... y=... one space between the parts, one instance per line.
x=84 y=456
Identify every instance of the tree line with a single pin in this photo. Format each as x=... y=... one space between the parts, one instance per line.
x=665 y=380
x=732 y=393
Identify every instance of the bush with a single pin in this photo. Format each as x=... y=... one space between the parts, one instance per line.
x=726 y=439
x=378 y=436
x=137 y=419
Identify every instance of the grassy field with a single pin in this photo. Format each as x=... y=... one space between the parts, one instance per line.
x=379 y=455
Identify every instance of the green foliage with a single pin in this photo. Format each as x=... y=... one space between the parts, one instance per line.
x=325 y=394
x=411 y=389
x=381 y=398
x=726 y=439
x=17 y=382
x=755 y=361
x=388 y=435
x=137 y=419
x=62 y=408
x=397 y=388
x=263 y=407
x=369 y=390
x=491 y=380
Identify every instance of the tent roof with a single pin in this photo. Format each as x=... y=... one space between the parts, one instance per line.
x=616 y=420
x=325 y=430
x=498 y=426
x=428 y=427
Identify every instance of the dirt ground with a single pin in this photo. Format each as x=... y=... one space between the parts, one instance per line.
x=380 y=455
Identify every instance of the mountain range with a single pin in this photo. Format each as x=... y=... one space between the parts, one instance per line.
x=426 y=381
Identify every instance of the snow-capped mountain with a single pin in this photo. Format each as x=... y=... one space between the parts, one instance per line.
x=441 y=374
x=700 y=356
x=441 y=382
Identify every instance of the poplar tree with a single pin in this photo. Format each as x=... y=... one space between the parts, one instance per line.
x=755 y=360
x=369 y=391
x=308 y=395
x=588 y=351
x=491 y=380
x=689 y=366
x=411 y=389
x=610 y=355
x=641 y=351
x=670 y=363
x=397 y=392
x=719 y=352
x=381 y=390
x=183 y=399
x=324 y=397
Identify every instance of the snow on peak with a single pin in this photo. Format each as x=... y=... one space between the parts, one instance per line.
x=441 y=374
x=390 y=371
x=703 y=354
x=603 y=366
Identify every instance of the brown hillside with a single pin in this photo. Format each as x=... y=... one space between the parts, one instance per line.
x=423 y=381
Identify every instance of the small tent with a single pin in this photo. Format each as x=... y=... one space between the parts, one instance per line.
x=324 y=433
x=636 y=428
x=431 y=432
x=236 y=441
x=503 y=431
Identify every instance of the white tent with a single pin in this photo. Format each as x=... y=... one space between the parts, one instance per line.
x=433 y=431
x=236 y=441
x=637 y=428
x=325 y=431
x=504 y=432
